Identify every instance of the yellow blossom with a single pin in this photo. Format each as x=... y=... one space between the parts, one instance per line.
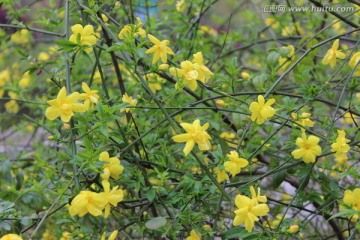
x=85 y=35
x=304 y=119
x=21 y=37
x=308 y=148
x=90 y=97
x=25 y=80
x=261 y=110
x=112 y=168
x=194 y=236
x=227 y=135
x=180 y=6
x=4 y=77
x=352 y=199
x=43 y=56
x=111 y=237
x=125 y=32
x=188 y=73
x=160 y=49
x=348 y=118
x=257 y=197
x=354 y=60
x=221 y=175
x=336 y=25
x=272 y=22
x=196 y=134
x=129 y=100
x=113 y=197
x=245 y=75
x=12 y=106
x=64 y=106
x=292 y=30
x=88 y=202
x=340 y=147
x=332 y=54
x=235 y=163
x=209 y=30
x=248 y=212
x=163 y=66
x=11 y=236
x=284 y=62
x=220 y=103
x=204 y=73
x=293 y=229
x=154 y=81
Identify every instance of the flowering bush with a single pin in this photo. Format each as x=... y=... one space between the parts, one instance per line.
x=179 y=120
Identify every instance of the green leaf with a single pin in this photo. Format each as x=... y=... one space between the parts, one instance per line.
x=239 y=232
x=150 y=195
x=155 y=223
x=278 y=178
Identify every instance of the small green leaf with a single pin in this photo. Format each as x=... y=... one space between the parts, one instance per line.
x=155 y=223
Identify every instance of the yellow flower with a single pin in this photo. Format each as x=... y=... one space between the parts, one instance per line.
x=220 y=103
x=235 y=163
x=195 y=134
x=113 y=197
x=163 y=66
x=25 y=80
x=160 y=49
x=188 y=73
x=43 y=56
x=227 y=135
x=248 y=212
x=352 y=198
x=332 y=54
x=257 y=197
x=12 y=106
x=65 y=236
x=111 y=237
x=180 y=6
x=125 y=32
x=11 y=236
x=272 y=22
x=89 y=96
x=85 y=35
x=155 y=81
x=293 y=229
x=64 y=106
x=4 y=77
x=292 y=30
x=308 y=148
x=203 y=72
x=194 y=236
x=261 y=110
x=21 y=37
x=354 y=60
x=304 y=119
x=284 y=62
x=340 y=147
x=88 y=202
x=221 y=175
x=245 y=75
x=129 y=100
x=112 y=168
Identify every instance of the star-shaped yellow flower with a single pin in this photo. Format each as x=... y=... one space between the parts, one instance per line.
x=160 y=49
x=332 y=54
x=89 y=96
x=235 y=163
x=64 y=106
x=196 y=134
x=261 y=110
x=112 y=168
x=308 y=148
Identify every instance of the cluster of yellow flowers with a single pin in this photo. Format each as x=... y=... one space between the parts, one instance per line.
x=340 y=147
x=333 y=53
x=83 y=36
x=352 y=199
x=65 y=105
x=191 y=71
x=249 y=209
x=21 y=37
x=95 y=203
x=133 y=30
